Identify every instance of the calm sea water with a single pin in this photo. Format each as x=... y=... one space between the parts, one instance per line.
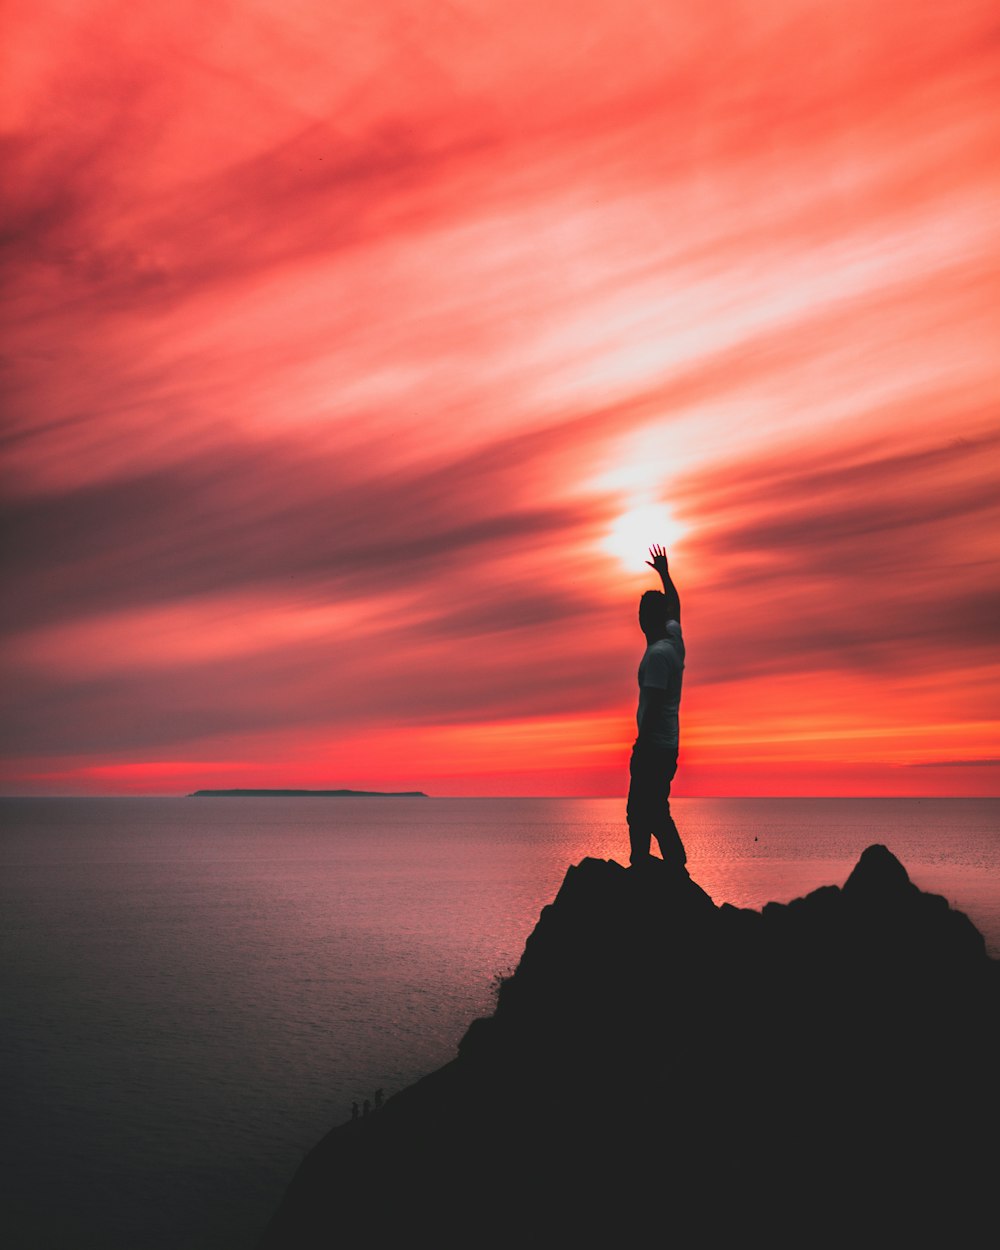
x=194 y=990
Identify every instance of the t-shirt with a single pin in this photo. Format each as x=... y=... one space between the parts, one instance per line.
x=662 y=668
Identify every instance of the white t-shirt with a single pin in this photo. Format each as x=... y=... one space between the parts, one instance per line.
x=662 y=668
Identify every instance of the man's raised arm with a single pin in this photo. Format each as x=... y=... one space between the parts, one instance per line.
x=659 y=563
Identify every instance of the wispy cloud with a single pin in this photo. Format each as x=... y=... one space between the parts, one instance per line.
x=338 y=338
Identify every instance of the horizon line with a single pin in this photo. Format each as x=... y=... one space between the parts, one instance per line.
x=425 y=794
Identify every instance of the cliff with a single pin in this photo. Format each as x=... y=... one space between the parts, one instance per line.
x=659 y=1068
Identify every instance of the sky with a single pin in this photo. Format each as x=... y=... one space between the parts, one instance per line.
x=355 y=353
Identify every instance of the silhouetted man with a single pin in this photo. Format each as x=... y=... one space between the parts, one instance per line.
x=654 y=755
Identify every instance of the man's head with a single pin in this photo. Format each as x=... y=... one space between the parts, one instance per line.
x=653 y=614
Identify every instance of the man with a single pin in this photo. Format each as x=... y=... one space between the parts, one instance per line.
x=654 y=755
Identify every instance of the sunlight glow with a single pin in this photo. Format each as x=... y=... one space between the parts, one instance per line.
x=635 y=531
x=366 y=410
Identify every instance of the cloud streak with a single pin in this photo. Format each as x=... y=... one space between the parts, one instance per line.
x=338 y=338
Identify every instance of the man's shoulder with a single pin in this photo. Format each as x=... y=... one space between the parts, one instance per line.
x=672 y=647
x=674 y=638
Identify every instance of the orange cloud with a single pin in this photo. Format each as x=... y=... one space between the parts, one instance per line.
x=340 y=339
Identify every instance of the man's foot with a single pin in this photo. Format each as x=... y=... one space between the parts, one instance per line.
x=675 y=864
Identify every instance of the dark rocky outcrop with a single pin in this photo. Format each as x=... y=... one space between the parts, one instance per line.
x=661 y=1070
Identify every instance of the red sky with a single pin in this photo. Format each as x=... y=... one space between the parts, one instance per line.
x=355 y=354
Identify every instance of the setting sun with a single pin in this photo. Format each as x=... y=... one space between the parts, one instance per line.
x=635 y=531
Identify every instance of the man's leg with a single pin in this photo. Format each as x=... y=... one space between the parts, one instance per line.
x=671 y=846
x=639 y=809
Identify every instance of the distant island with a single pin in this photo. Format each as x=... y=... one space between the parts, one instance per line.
x=307 y=794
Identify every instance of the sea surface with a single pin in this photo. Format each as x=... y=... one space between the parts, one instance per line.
x=193 y=991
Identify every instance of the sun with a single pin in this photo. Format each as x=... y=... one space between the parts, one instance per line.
x=634 y=532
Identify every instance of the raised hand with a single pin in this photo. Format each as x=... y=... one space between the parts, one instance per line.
x=659 y=560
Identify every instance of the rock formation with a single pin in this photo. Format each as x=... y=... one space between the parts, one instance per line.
x=659 y=1070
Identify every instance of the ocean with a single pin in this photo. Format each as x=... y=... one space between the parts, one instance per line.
x=193 y=991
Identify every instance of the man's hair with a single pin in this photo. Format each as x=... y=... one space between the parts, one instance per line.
x=653 y=607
